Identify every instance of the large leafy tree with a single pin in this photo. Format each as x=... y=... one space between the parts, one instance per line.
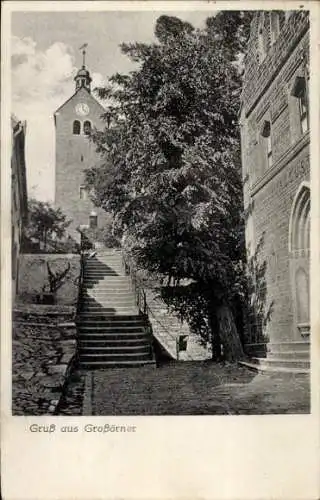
x=46 y=223
x=170 y=171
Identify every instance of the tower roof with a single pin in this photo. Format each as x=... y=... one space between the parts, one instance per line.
x=83 y=79
x=83 y=72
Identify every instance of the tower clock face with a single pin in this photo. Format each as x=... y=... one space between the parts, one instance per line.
x=82 y=109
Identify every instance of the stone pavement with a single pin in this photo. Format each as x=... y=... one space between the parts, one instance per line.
x=193 y=388
x=43 y=348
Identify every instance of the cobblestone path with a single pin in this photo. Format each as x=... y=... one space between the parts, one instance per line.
x=195 y=388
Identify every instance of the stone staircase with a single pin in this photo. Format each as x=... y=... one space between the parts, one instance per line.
x=283 y=357
x=111 y=331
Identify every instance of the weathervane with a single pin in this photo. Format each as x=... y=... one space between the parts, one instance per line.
x=83 y=48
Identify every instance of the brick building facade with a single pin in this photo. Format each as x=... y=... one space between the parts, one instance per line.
x=275 y=158
x=75 y=152
x=19 y=202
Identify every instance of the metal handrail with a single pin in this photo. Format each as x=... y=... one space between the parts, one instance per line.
x=141 y=300
x=80 y=284
x=140 y=294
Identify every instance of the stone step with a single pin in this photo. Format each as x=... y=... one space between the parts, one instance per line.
x=102 y=259
x=119 y=319
x=101 y=268
x=110 y=279
x=109 y=296
x=130 y=298
x=282 y=363
x=117 y=350
x=289 y=355
x=113 y=329
x=105 y=268
x=113 y=336
x=111 y=323
x=108 y=293
x=98 y=282
x=139 y=342
x=107 y=287
x=100 y=294
x=299 y=345
x=85 y=357
x=274 y=369
x=94 y=365
x=111 y=266
x=107 y=306
x=103 y=276
x=110 y=313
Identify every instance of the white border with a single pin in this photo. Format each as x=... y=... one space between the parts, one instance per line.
x=242 y=457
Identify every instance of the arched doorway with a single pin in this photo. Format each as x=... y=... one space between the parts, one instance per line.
x=299 y=253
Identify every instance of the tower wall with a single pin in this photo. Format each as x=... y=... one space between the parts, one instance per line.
x=75 y=154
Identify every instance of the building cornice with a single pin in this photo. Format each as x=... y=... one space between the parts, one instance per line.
x=280 y=163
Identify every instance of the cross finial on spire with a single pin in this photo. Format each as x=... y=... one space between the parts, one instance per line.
x=83 y=48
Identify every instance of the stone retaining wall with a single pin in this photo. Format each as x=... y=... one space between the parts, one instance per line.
x=33 y=275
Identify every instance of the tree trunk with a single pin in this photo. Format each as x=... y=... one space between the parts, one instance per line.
x=215 y=338
x=45 y=240
x=230 y=340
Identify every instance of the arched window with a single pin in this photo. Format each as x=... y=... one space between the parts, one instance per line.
x=299 y=243
x=87 y=127
x=76 y=127
x=299 y=230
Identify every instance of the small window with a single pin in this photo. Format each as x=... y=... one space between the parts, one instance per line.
x=87 y=127
x=266 y=133
x=261 y=50
x=274 y=26
x=299 y=90
x=93 y=220
x=269 y=150
x=303 y=113
x=83 y=193
x=282 y=18
x=76 y=127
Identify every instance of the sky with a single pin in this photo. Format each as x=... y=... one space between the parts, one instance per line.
x=45 y=56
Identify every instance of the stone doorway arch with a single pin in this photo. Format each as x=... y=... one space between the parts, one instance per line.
x=299 y=254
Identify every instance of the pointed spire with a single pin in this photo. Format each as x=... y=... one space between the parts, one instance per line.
x=83 y=48
x=83 y=78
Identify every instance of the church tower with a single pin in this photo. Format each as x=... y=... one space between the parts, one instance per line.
x=75 y=153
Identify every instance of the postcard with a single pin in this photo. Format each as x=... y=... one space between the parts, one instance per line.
x=160 y=250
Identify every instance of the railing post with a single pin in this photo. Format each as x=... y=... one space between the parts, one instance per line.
x=80 y=284
x=144 y=303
